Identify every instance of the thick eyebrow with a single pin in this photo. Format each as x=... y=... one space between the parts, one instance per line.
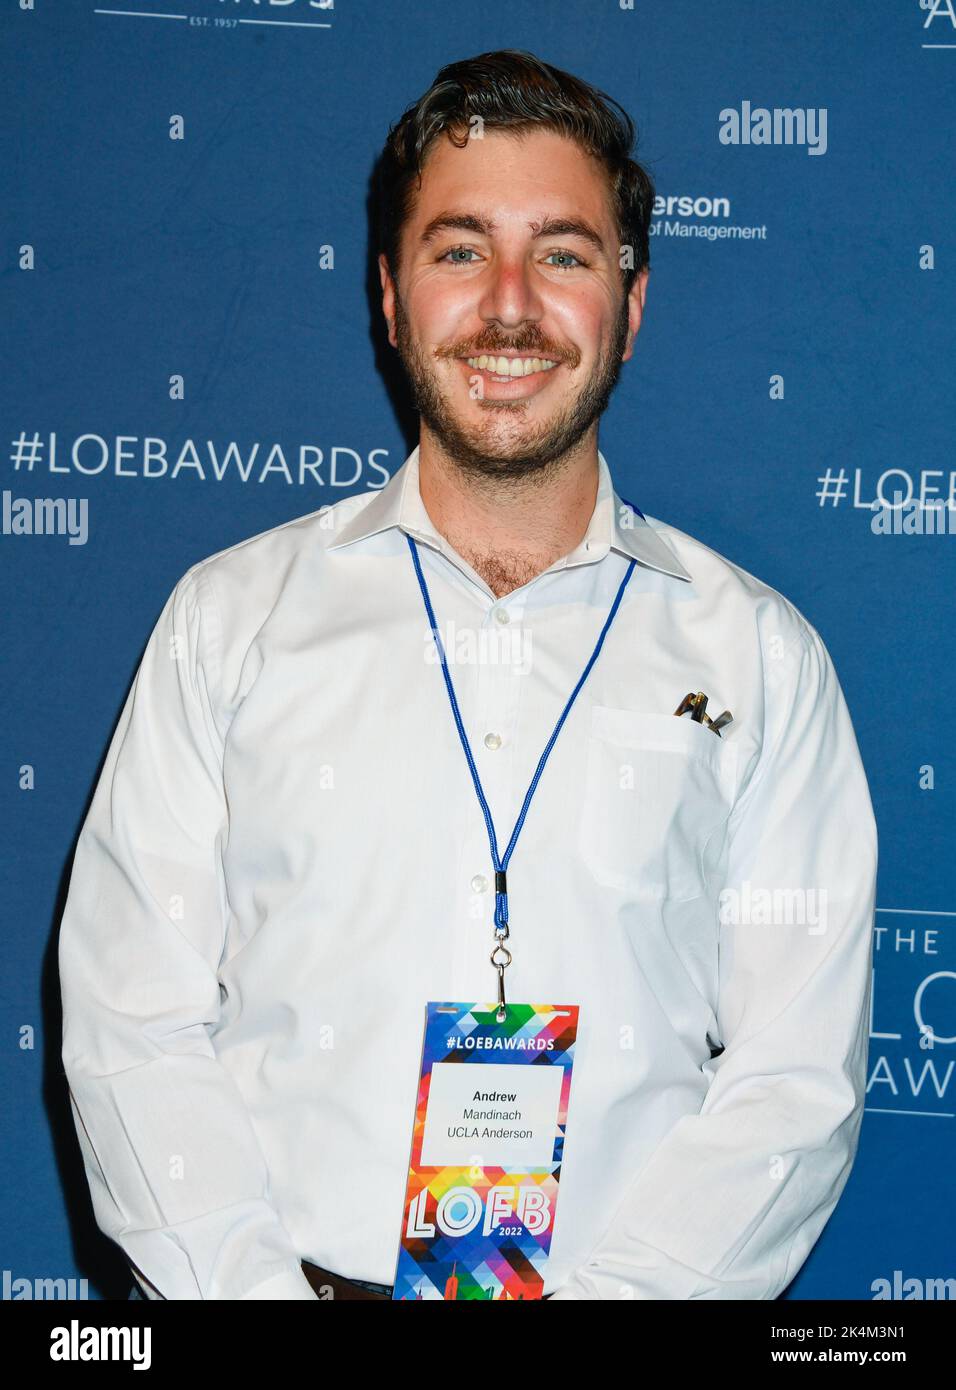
x=550 y=227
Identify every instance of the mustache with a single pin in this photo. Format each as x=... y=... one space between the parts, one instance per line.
x=527 y=344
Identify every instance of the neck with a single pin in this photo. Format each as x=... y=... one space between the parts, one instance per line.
x=509 y=529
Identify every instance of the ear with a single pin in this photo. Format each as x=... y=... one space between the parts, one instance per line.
x=388 y=298
x=635 y=310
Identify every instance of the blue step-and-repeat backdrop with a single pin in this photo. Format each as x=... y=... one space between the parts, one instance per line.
x=185 y=199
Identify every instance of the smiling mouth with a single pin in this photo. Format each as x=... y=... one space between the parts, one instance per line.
x=503 y=368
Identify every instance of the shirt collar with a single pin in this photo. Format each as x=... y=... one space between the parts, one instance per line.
x=615 y=524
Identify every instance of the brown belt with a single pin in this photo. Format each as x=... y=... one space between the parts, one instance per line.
x=323 y=1280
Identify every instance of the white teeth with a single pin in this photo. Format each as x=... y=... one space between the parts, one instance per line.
x=511 y=366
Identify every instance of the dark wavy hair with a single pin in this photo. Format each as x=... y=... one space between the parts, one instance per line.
x=513 y=90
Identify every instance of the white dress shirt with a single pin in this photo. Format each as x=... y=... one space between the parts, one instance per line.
x=285 y=859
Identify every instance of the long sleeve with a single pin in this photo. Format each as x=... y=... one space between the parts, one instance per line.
x=176 y=1173
x=730 y=1203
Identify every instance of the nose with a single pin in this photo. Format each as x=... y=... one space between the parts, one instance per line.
x=509 y=297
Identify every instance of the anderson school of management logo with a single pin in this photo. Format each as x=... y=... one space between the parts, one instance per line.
x=227 y=15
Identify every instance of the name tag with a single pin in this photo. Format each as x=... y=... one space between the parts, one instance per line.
x=486 y=1151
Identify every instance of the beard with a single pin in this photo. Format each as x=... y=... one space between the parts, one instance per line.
x=480 y=449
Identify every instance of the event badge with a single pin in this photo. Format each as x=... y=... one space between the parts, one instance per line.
x=486 y=1151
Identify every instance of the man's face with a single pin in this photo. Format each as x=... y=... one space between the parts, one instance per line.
x=512 y=251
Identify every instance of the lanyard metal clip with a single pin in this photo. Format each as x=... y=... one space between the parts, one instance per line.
x=501 y=950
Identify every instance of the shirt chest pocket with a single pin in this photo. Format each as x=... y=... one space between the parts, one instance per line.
x=657 y=789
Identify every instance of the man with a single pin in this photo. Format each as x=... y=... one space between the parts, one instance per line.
x=285 y=857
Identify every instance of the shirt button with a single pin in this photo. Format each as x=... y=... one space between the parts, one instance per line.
x=479 y=883
x=492 y=740
x=502 y=616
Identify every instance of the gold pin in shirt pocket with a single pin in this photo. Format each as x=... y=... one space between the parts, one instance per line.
x=657 y=789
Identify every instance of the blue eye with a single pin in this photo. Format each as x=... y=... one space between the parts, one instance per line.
x=565 y=253
x=466 y=249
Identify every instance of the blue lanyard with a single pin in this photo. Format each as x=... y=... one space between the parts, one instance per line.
x=501 y=864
